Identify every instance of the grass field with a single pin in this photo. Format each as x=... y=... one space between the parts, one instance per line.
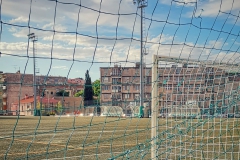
x=122 y=138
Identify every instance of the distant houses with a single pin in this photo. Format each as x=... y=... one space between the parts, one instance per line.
x=14 y=87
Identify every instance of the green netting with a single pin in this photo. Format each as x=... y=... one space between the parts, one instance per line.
x=48 y=112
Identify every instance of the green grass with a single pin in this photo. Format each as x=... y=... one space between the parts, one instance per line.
x=106 y=137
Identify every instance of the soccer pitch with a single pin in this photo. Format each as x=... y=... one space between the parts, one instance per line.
x=117 y=138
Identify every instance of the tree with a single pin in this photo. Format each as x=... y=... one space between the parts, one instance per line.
x=62 y=93
x=78 y=94
x=88 y=90
x=59 y=107
x=96 y=87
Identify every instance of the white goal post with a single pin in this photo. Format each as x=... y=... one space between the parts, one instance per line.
x=155 y=97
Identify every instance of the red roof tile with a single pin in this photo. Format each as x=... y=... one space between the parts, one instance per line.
x=30 y=99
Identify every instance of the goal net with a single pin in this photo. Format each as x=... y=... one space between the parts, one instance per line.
x=112 y=111
x=119 y=79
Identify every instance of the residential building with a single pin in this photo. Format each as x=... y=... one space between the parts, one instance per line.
x=121 y=85
x=78 y=81
x=205 y=86
x=16 y=85
x=3 y=97
x=26 y=105
x=200 y=85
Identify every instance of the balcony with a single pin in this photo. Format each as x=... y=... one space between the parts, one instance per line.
x=116 y=83
x=116 y=91
x=119 y=74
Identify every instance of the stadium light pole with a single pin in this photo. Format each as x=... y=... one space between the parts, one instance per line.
x=141 y=4
x=34 y=39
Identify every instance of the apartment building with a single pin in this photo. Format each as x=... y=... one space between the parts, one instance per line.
x=3 y=97
x=203 y=86
x=121 y=86
x=207 y=87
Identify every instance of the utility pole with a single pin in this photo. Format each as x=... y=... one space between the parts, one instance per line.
x=34 y=39
x=141 y=4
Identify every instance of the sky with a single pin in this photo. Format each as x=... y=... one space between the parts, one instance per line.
x=78 y=35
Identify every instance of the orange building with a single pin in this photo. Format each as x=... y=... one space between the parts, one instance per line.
x=26 y=105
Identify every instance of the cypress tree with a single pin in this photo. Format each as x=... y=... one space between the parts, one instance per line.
x=88 y=90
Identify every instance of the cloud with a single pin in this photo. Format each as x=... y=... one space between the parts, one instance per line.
x=60 y=67
x=180 y=2
x=42 y=12
x=19 y=20
x=212 y=7
x=42 y=17
x=208 y=8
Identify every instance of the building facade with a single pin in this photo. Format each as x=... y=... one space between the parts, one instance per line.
x=204 y=86
x=121 y=86
x=198 y=85
x=3 y=97
x=14 y=87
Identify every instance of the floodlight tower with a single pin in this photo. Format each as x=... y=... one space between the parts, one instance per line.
x=141 y=4
x=34 y=39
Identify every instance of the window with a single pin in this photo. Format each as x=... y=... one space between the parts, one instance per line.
x=115 y=71
x=177 y=79
x=127 y=88
x=168 y=87
x=190 y=97
x=116 y=81
x=168 y=96
x=199 y=77
x=116 y=88
x=105 y=88
x=178 y=70
x=147 y=95
x=178 y=89
x=148 y=80
x=147 y=89
x=106 y=96
x=51 y=93
x=148 y=71
x=104 y=79
x=197 y=87
x=137 y=71
x=126 y=96
x=116 y=96
x=189 y=86
x=188 y=70
x=126 y=79
x=136 y=96
x=136 y=79
x=179 y=97
x=136 y=87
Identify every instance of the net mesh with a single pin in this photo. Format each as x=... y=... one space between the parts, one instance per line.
x=46 y=45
